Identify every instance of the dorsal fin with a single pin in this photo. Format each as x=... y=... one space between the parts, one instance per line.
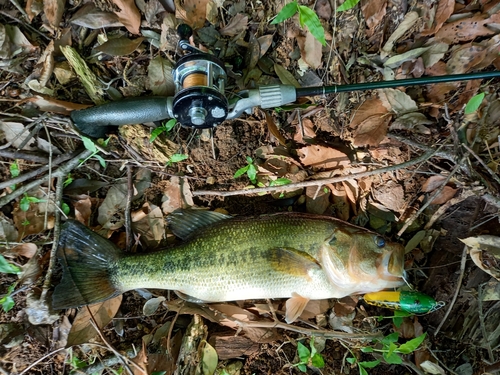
x=184 y=223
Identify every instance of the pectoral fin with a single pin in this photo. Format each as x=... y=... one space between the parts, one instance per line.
x=293 y=261
x=294 y=307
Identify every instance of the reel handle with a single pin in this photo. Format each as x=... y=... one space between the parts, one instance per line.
x=96 y=121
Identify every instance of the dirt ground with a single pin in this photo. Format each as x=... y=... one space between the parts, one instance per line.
x=425 y=160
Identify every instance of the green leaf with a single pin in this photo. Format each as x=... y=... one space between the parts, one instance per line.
x=252 y=173
x=280 y=182
x=14 y=169
x=397 y=321
x=65 y=208
x=170 y=124
x=302 y=367
x=393 y=337
x=241 y=171
x=6 y=267
x=155 y=133
x=348 y=4
x=286 y=12
x=393 y=359
x=367 y=349
x=158 y=373
x=362 y=370
x=68 y=180
x=175 y=158
x=351 y=360
x=309 y=17
x=7 y=303
x=249 y=160
x=317 y=361
x=101 y=160
x=210 y=359
x=303 y=352
x=89 y=144
x=24 y=204
x=409 y=346
x=474 y=103
x=103 y=142
x=392 y=348
x=370 y=364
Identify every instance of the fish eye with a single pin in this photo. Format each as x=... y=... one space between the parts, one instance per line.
x=379 y=241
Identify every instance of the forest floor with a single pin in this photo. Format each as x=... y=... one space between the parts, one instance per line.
x=417 y=164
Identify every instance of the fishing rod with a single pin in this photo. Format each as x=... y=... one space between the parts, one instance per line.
x=200 y=102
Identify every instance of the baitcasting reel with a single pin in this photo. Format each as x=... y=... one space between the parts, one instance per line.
x=200 y=101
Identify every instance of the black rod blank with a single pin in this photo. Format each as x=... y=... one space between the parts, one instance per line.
x=323 y=90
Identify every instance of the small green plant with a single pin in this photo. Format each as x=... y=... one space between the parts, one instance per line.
x=390 y=349
x=474 y=103
x=249 y=169
x=91 y=146
x=280 y=182
x=309 y=357
x=307 y=17
x=175 y=158
x=68 y=180
x=14 y=172
x=26 y=200
x=7 y=302
x=165 y=128
x=348 y=4
x=397 y=318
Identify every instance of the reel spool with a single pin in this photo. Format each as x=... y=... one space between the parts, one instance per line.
x=199 y=101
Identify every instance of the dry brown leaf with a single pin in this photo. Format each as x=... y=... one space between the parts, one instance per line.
x=485 y=252
x=317 y=199
x=149 y=223
x=61 y=107
x=265 y=42
x=445 y=195
x=323 y=9
x=111 y=214
x=305 y=130
x=273 y=129
x=82 y=330
x=285 y=76
x=129 y=15
x=391 y=195
x=322 y=157
x=93 y=18
x=35 y=219
x=465 y=58
x=444 y=11
x=176 y=194
x=310 y=50
x=25 y=249
x=121 y=46
x=397 y=101
x=371 y=131
x=193 y=12
x=410 y=19
x=432 y=183
x=373 y=13
x=33 y=8
x=467 y=29
x=367 y=109
x=54 y=10
x=237 y=24
x=83 y=210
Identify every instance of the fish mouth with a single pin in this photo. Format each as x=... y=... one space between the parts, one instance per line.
x=391 y=267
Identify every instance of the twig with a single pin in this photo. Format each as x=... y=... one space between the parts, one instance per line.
x=110 y=347
x=332 y=180
x=128 y=204
x=490 y=199
x=108 y=361
x=60 y=172
x=480 y=295
x=438 y=191
x=24 y=156
x=55 y=244
x=488 y=169
x=40 y=360
x=26 y=176
x=457 y=290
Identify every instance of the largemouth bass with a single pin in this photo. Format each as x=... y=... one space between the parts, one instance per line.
x=290 y=255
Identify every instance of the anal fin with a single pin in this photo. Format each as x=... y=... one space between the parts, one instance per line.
x=294 y=307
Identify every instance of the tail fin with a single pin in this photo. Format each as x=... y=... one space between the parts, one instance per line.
x=86 y=260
